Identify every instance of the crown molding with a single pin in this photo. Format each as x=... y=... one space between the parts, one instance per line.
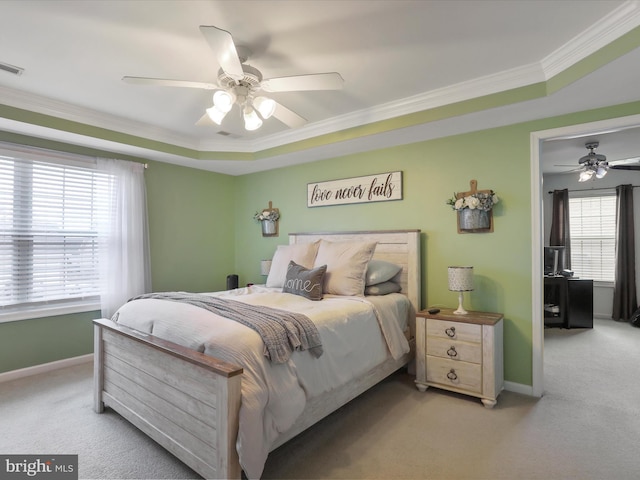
x=66 y=111
x=613 y=26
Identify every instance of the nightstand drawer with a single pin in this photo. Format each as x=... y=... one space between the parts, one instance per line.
x=454 y=350
x=459 y=375
x=466 y=332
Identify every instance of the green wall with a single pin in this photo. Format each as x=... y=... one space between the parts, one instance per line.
x=191 y=218
x=42 y=340
x=432 y=172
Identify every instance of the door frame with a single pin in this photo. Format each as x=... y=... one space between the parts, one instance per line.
x=537 y=138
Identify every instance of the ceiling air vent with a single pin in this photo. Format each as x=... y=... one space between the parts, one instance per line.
x=11 y=69
x=225 y=134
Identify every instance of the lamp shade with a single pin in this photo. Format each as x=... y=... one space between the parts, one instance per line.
x=265 y=106
x=461 y=279
x=265 y=267
x=216 y=115
x=251 y=119
x=601 y=171
x=224 y=100
x=585 y=175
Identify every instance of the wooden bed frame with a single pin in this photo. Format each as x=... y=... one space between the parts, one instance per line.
x=144 y=378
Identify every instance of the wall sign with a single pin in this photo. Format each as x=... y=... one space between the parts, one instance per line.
x=372 y=188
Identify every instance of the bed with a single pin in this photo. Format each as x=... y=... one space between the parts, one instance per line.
x=195 y=403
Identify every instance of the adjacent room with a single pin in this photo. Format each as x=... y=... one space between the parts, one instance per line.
x=319 y=238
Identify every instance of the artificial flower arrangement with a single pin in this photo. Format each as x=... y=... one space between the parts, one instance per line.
x=478 y=200
x=270 y=215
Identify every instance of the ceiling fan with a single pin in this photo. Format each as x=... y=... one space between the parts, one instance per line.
x=596 y=164
x=242 y=85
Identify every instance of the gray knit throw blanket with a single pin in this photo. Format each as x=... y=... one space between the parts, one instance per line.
x=282 y=332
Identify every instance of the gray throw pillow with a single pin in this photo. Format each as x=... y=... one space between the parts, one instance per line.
x=379 y=271
x=304 y=281
x=383 y=288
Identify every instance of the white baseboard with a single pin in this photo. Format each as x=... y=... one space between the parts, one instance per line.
x=519 y=388
x=45 y=367
x=69 y=362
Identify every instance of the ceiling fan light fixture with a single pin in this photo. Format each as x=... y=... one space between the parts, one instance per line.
x=216 y=115
x=223 y=100
x=265 y=106
x=251 y=119
x=585 y=175
x=238 y=84
x=601 y=171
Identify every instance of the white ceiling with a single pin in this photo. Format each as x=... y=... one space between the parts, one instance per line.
x=396 y=57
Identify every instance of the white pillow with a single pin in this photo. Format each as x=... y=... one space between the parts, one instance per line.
x=346 y=266
x=380 y=271
x=301 y=253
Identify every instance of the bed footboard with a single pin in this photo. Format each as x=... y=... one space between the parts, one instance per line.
x=184 y=400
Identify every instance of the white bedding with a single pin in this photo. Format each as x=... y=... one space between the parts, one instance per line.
x=357 y=334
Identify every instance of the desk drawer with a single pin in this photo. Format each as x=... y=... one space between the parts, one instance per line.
x=465 y=332
x=454 y=350
x=451 y=373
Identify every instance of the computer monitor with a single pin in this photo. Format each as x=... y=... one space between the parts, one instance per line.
x=553 y=260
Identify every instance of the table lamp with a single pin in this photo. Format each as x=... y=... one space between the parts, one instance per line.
x=460 y=280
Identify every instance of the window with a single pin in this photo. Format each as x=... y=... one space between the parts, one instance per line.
x=592 y=224
x=51 y=211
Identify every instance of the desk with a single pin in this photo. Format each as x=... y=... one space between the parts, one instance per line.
x=568 y=302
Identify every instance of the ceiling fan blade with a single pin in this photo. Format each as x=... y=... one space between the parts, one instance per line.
x=221 y=42
x=624 y=167
x=625 y=161
x=169 y=83
x=299 y=83
x=288 y=117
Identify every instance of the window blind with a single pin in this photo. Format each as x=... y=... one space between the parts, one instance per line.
x=50 y=221
x=592 y=224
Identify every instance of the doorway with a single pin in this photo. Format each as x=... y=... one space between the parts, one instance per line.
x=536 y=141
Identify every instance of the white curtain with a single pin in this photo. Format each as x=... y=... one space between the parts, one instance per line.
x=124 y=261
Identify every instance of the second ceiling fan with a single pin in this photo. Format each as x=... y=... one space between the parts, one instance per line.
x=243 y=85
x=596 y=165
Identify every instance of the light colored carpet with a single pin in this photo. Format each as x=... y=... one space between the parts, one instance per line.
x=586 y=426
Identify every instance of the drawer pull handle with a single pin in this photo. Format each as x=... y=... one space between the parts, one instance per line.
x=452 y=351
x=452 y=375
x=451 y=332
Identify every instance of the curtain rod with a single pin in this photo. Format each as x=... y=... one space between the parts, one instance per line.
x=593 y=189
x=82 y=157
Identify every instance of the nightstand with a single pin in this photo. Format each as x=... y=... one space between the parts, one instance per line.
x=461 y=353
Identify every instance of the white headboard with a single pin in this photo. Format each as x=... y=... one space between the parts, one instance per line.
x=401 y=247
